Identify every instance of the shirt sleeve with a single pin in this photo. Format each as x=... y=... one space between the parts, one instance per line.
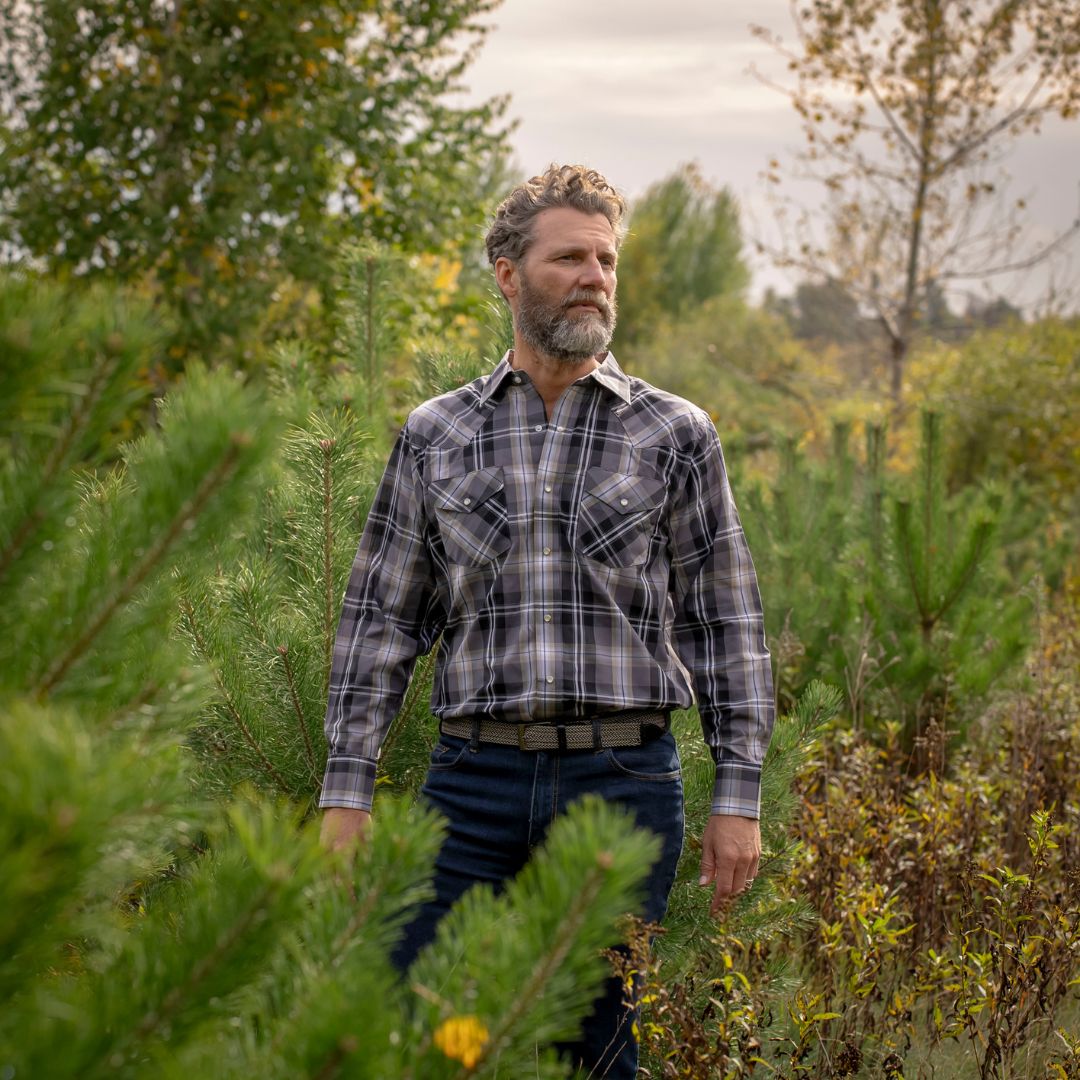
x=391 y=616
x=719 y=628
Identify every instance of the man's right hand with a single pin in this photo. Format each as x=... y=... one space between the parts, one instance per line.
x=343 y=828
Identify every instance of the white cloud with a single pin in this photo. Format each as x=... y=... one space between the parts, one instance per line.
x=635 y=88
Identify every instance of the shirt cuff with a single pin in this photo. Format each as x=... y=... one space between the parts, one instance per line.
x=737 y=789
x=349 y=782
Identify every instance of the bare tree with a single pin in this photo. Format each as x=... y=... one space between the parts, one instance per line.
x=908 y=107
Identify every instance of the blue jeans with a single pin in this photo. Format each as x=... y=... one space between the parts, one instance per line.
x=499 y=802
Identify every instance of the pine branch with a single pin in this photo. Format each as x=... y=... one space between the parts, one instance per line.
x=903 y=514
x=187 y=513
x=298 y=709
x=77 y=421
x=174 y=999
x=327 y=446
x=27 y=527
x=346 y=1046
x=188 y=611
x=548 y=964
x=369 y=329
x=980 y=540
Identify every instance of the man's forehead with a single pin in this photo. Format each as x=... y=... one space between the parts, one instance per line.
x=564 y=224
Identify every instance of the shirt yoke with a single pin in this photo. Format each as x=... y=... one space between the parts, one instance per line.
x=652 y=417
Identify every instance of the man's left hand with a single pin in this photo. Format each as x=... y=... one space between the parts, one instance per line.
x=730 y=850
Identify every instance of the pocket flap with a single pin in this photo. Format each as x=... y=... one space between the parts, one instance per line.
x=464 y=494
x=626 y=493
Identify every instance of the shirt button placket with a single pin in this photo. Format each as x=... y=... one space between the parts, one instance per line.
x=546 y=519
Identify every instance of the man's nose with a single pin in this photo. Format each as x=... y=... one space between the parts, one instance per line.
x=592 y=274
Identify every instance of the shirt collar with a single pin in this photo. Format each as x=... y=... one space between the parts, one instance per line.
x=609 y=375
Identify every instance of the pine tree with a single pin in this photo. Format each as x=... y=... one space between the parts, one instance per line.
x=937 y=592
x=886 y=584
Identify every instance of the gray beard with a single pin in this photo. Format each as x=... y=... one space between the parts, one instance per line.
x=553 y=333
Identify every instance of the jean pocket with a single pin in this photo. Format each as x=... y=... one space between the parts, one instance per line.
x=655 y=762
x=448 y=755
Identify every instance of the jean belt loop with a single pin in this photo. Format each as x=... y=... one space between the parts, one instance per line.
x=474 y=741
x=560 y=733
x=597 y=737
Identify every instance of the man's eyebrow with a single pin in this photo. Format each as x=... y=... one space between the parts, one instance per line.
x=570 y=248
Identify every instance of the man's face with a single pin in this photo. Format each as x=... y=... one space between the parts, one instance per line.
x=566 y=286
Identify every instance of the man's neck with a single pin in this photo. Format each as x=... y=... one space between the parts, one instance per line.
x=550 y=376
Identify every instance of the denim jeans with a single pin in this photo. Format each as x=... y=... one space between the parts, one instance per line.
x=500 y=801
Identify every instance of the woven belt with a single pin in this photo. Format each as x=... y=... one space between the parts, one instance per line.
x=598 y=733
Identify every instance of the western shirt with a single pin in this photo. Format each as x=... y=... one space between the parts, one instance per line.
x=588 y=563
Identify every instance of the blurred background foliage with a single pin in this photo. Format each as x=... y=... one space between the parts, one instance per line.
x=243 y=242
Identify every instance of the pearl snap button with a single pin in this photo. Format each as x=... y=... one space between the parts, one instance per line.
x=550 y=679
x=468 y=502
x=547 y=551
x=547 y=618
x=547 y=488
x=539 y=427
x=622 y=502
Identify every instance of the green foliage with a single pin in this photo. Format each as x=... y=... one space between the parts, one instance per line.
x=83 y=814
x=681 y=250
x=372 y=293
x=1009 y=397
x=952 y=618
x=70 y=380
x=541 y=936
x=886 y=584
x=88 y=558
x=726 y=352
x=265 y=957
x=219 y=153
x=106 y=583
x=264 y=622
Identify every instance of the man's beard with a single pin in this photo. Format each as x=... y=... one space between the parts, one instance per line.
x=552 y=331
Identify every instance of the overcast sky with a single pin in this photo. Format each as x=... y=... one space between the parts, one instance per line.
x=636 y=87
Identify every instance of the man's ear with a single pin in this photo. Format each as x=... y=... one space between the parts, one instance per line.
x=506 y=276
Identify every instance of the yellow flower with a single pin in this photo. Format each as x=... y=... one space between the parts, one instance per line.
x=462 y=1038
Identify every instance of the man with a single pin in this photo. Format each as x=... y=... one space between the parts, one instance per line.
x=570 y=533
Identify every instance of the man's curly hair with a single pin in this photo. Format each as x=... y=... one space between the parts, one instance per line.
x=572 y=186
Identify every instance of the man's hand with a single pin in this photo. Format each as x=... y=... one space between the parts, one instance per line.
x=730 y=850
x=343 y=828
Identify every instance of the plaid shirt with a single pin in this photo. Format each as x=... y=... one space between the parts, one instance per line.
x=589 y=563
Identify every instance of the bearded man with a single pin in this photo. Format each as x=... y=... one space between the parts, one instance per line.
x=570 y=533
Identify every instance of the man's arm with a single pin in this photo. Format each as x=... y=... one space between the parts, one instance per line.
x=720 y=637
x=390 y=616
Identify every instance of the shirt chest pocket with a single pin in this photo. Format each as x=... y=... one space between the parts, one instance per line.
x=617 y=518
x=472 y=516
